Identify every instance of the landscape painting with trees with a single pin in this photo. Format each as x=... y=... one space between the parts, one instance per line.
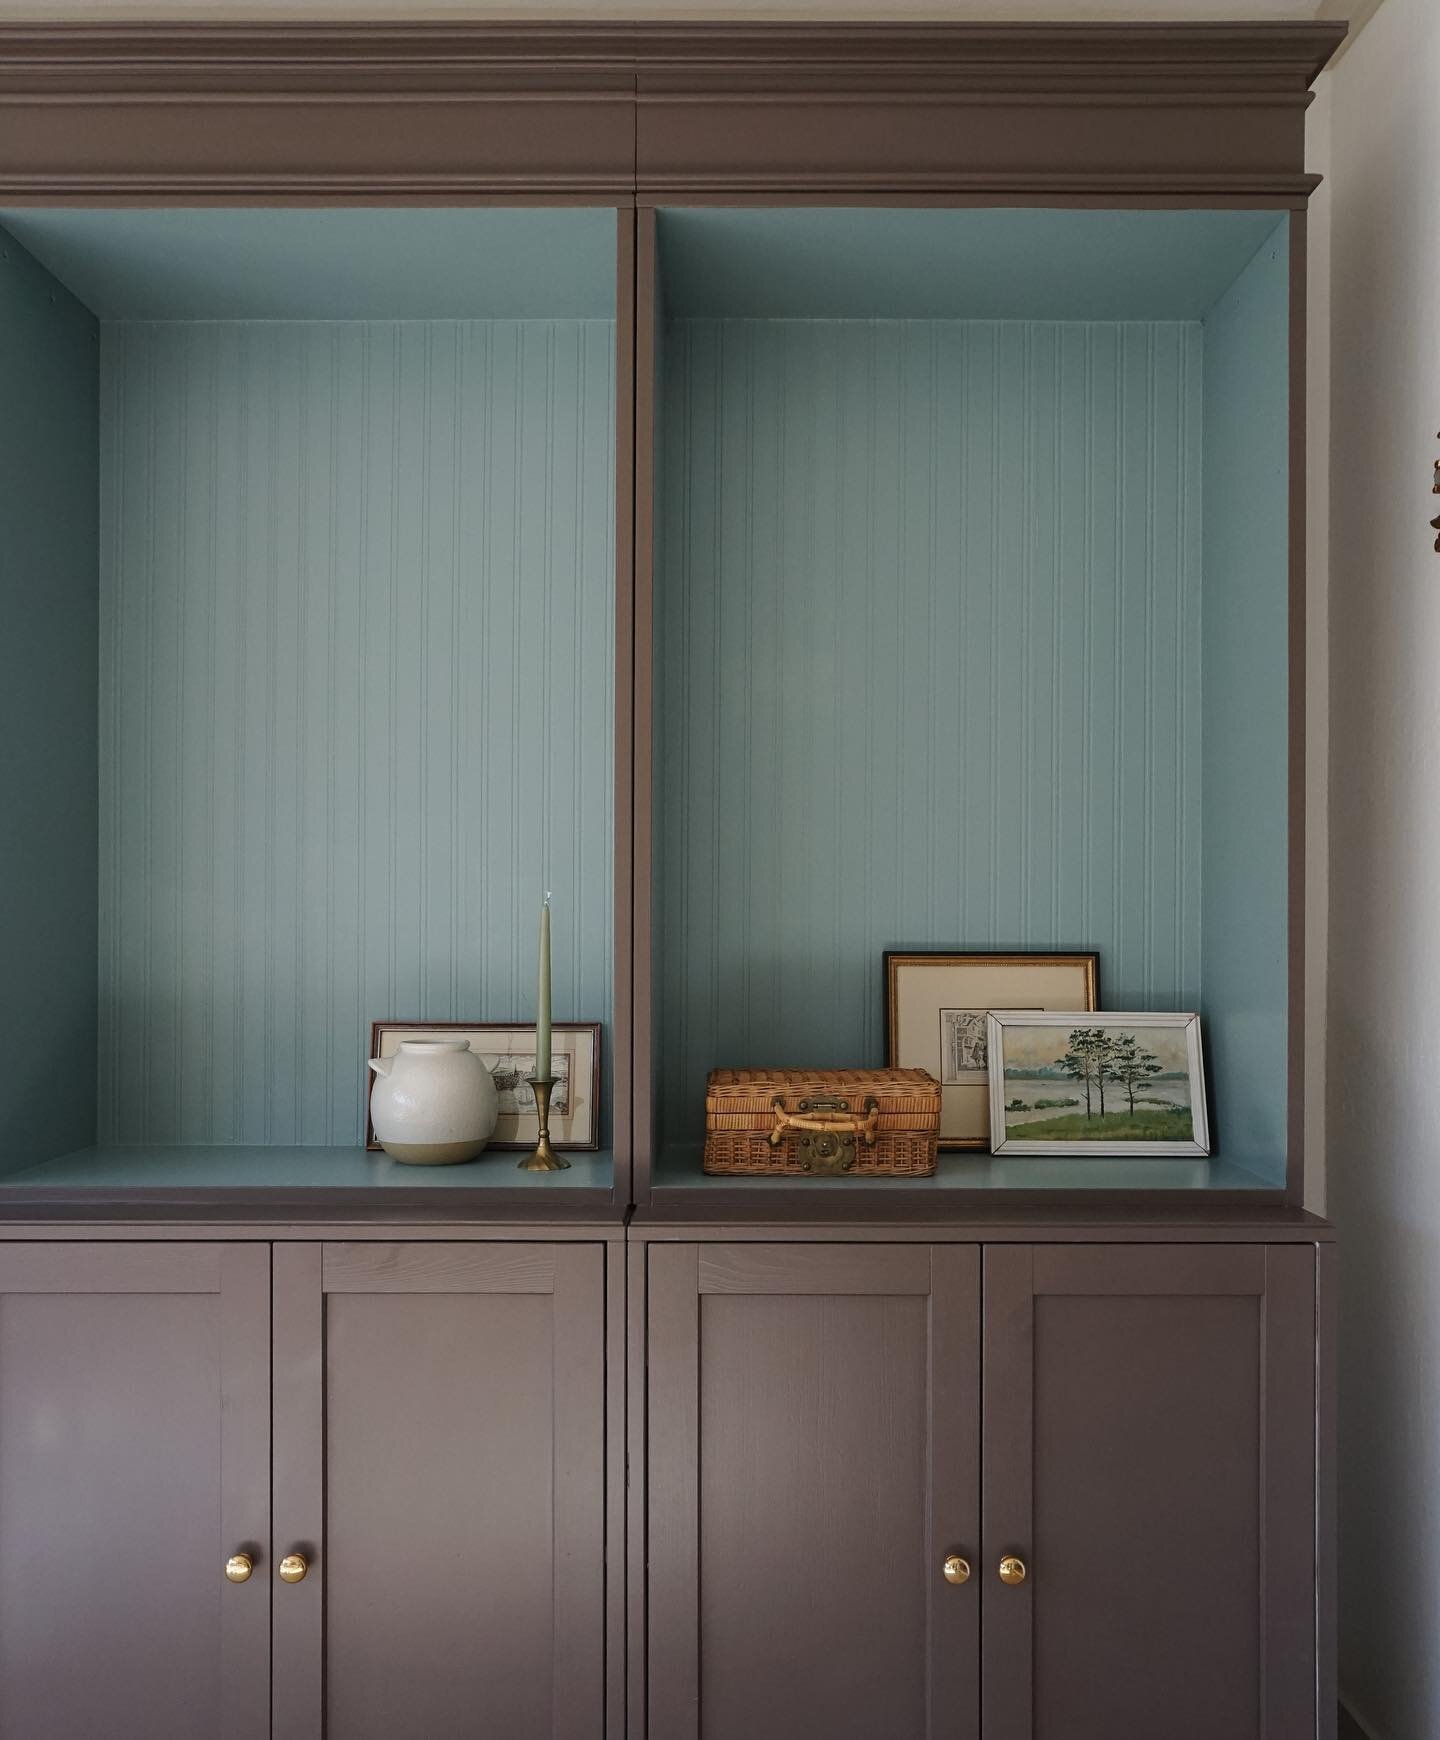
x=1112 y=1082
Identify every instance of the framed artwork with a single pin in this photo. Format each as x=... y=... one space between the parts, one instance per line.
x=1111 y=1084
x=508 y=1052
x=936 y=1009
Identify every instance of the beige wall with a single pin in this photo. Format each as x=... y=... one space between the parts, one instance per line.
x=1384 y=953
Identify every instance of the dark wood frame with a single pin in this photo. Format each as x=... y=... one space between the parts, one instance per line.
x=634 y=116
x=893 y=959
x=594 y=1028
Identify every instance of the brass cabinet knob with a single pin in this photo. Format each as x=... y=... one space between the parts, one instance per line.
x=238 y=1567
x=956 y=1569
x=1012 y=1570
x=293 y=1568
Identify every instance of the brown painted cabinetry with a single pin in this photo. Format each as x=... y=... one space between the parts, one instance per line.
x=1149 y=1449
x=835 y=1442
x=134 y=1461
x=1105 y=1370
x=438 y=1455
x=828 y=1425
x=813 y=1418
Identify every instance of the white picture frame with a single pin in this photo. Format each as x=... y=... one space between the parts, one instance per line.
x=1046 y=1077
x=507 y=1050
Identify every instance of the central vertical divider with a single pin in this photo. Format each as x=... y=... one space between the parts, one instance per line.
x=647 y=338
x=625 y=1018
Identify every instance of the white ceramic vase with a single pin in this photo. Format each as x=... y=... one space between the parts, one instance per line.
x=433 y=1102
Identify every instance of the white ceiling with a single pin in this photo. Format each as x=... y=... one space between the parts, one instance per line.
x=889 y=11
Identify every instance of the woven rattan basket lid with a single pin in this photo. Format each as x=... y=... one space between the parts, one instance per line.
x=726 y=1086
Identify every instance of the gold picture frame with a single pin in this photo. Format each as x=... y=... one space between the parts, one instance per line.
x=936 y=1006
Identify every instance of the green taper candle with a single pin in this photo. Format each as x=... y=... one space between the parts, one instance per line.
x=542 y=998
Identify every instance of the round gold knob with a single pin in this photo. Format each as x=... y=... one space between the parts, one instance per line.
x=238 y=1567
x=1012 y=1570
x=293 y=1568
x=956 y=1569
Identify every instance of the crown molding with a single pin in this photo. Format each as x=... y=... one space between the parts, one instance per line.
x=227 y=53
x=307 y=111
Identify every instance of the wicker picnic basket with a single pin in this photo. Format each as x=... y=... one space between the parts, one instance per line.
x=822 y=1122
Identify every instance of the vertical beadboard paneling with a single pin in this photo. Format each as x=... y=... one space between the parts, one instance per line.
x=357 y=687
x=49 y=532
x=1245 y=854
x=928 y=669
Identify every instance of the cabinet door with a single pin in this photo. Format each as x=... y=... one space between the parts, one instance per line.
x=1150 y=1455
x=439 y=1463
x=813 y=1459
x=134 y=1461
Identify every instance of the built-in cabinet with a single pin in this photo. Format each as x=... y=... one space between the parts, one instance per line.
x=980 y=1493
x=1148 y=1432
x=413 y=1541
x=791 y=493
x=134 y=1465
x=971 y=619
x=443 y=1458
x=813 y=1457
x=931 y=1490
x=951 y=1490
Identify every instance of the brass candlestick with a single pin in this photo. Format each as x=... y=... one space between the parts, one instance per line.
x=544 y=1159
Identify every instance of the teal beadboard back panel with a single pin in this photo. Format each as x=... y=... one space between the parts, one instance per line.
x=928 y=670
x=49 y=373
x=356 y=691
x=1247 y=435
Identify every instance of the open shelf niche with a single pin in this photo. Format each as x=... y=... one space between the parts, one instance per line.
x=972 y=602
x=310 y=682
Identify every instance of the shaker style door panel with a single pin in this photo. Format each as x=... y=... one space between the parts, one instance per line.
x=1149 y=1423
x=134 y=1462
x=813 y=1460
x=439 y=1464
